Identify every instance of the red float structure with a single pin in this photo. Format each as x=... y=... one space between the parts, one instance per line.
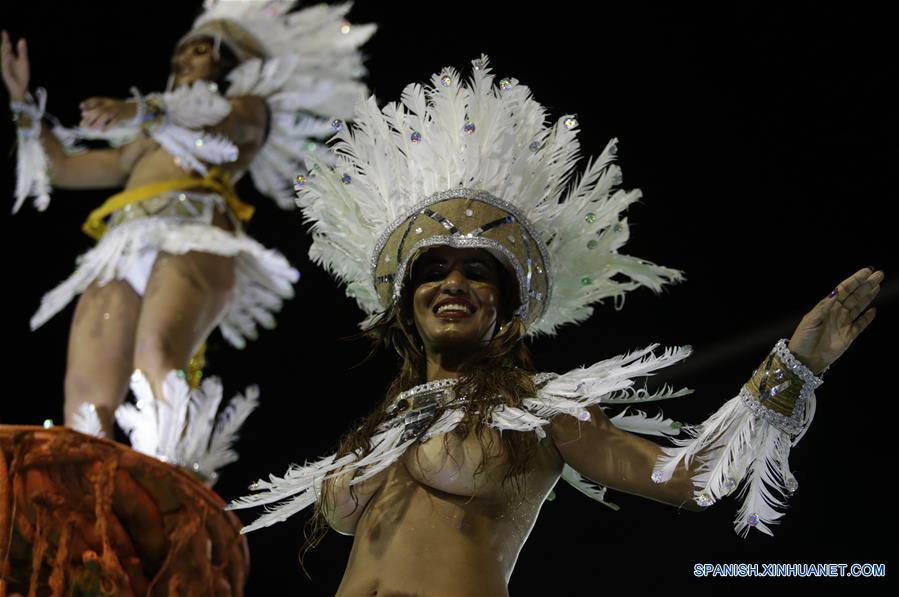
x=81 y=515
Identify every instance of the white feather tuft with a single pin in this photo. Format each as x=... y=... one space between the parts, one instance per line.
x=180 y=427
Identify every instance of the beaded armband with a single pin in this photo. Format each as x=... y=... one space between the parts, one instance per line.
x=779 y=389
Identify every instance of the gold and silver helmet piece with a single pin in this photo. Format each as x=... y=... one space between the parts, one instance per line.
x=473 y=164
x=465 y=218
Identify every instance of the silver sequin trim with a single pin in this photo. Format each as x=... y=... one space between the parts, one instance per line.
x=791 y=425
x=484 y=197
x=466 y=243
x=804 y=373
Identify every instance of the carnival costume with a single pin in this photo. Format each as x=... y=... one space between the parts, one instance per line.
x=305 y=64
x=474 y=164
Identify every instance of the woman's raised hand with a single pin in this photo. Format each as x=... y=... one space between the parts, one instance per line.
x=834 y=323
x=15 y=67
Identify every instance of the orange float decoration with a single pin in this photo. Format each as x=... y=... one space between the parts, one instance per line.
x=81 y=515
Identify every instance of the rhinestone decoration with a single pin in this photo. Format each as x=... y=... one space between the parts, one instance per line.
x=300 y=180
x=590 y=217
x=180 y=373
x=345 y=28
x=778 y=374
x=469 y=127
x=570 y=122
x=311 y=146
x=469 y=212
x=418 y=230
x=198 y=142
x=729 y=484
x=213 y=87
x=386 y=258
x=336 y=124
x=592 y=244
x=511 y=239
x=446 y=81
x=48 y=423
x=657 y=476
x=791 y=483
x=539 y=298
x=583 y=415
x=703 y=500
x=535 y=146
x=505 y=84
x=346 y=179
x=415 y=137
x=753 y=520
x=586 y=281
x=182 y=197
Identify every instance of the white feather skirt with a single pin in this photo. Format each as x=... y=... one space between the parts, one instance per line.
x=177 y=223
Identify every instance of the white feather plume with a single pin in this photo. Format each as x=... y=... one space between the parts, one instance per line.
x=180 y=426
x=309 y=77
x=301 y=485
x=32 y=179
x=734 y=447
x=195 y=106
x=85 y=420
x=479 y=136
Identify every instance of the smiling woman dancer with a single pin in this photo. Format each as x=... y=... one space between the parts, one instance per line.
x=253 y=84
x=447 y=217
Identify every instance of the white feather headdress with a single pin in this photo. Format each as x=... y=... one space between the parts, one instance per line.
x=305 y=63
x=474 y=164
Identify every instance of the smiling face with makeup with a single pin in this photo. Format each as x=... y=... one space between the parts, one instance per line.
x=456 y=299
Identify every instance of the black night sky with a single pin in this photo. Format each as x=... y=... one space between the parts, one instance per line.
x=764 y=138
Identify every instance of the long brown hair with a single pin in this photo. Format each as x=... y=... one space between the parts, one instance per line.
x=498 y=374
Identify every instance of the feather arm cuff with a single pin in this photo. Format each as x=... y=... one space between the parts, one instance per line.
x=31 y=160
x=748 y=440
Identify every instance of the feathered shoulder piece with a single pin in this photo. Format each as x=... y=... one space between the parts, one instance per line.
x=478 y=164
x=434 y=408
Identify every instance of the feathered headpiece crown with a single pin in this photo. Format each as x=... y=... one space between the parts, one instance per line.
x=306 y=63
x=474 y=165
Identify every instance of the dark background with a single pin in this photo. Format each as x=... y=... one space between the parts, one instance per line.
x=765 y=141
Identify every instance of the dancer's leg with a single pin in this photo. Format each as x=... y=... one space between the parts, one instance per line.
x=101 y=349
x=186 y=297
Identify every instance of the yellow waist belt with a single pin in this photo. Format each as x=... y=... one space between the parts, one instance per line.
x=217 y=180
